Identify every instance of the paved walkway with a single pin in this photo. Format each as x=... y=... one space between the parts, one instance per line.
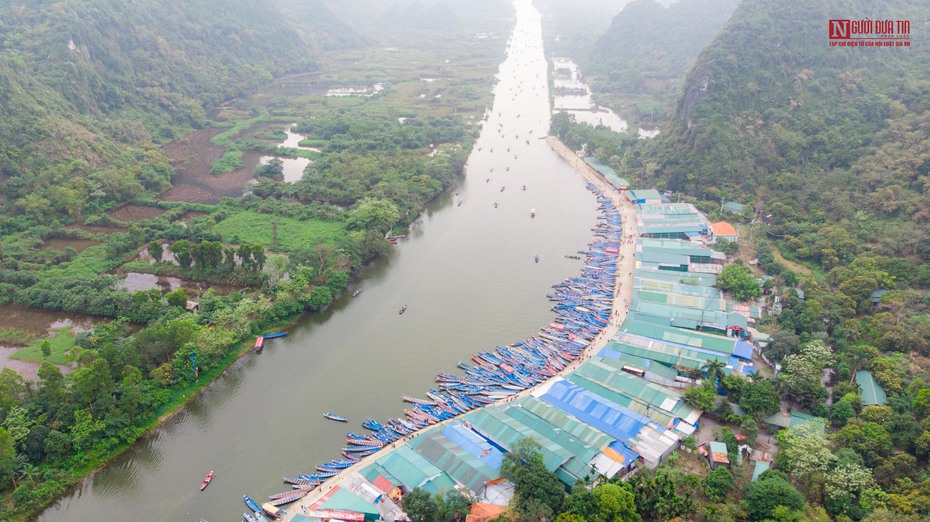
x=622 y=300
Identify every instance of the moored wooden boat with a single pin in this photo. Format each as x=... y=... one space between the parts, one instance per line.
x=298 y=491
x=259 y=343
x=206 y=481
x=251 y=504
x=274 y=335
x=333 y=416
x=273 y=510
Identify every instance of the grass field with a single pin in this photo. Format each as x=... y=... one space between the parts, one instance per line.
x=60 y=343
x=251 y=227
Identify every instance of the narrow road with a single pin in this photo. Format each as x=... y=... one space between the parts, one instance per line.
x=622 y=298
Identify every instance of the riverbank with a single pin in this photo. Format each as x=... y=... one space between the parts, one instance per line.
x=622 y=296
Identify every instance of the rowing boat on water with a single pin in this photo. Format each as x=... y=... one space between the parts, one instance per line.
x=274 y=335
x=333 y=416
x=206 y=481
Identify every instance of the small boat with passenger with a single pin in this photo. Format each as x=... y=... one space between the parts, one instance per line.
x=402 y=309
x=206 y=481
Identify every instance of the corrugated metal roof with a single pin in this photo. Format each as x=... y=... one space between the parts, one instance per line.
x=679 y=336
x=412 y=470
x=609 y=374
x=645 y=194
x=606 y=415
x=760 y=468
x=474 y=444
x=487 y=422
x=589 y=434
x=348 y=501
x=661 y=417
x=872 y=392
x=459 y=464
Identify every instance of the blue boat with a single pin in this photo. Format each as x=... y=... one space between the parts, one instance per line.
x=274 y=335
x=333 y=416
x=252 y=505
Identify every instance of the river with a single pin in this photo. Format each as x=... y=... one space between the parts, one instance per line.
x=468 y=276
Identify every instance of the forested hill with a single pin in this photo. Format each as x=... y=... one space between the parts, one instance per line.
x=87 y=85
x=642 y=59
x=815 y=134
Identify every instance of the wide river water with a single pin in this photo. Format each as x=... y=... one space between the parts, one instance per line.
x=468 y=276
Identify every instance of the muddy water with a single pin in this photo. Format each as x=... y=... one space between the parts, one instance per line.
x=582 y=106
x=192 y=157
x=39 y=322
x=467 y=273
x=293 y=167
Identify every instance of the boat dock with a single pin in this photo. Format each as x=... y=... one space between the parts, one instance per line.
x=408 y=460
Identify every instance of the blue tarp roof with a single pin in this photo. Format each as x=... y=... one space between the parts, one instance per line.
x=743 y=350
x=474 y=444
x=605 y=415
x=624 y=450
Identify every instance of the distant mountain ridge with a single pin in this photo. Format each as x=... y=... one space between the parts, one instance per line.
x=645 y=54
x=87 y=86
x=815 y=133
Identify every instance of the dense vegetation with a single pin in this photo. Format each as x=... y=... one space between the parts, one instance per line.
x=89 y=88
x=828 y=146
x=89 y=92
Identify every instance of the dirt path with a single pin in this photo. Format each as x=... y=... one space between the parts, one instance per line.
x=622 y=299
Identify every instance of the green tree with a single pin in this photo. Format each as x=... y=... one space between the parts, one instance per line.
x=714 y=370
x=802 y=373
x=420 y=506
x=701 y=397
x=376 y=214
x=869 y=439
x=46 y=349
x=764 y=495
x=581 y=502
x=750 y=429
x=182 y=253
x=57 y=446
x=156 y=250
x=615 y=504
x=177 y=298
x=85 y=430
x=7 y=456
x=739 y=282
x=453 y=505
x=760 y=399
x=841 y=412
x=320 y=298
x=804 y=453
x=536 y=489
x=718 y=483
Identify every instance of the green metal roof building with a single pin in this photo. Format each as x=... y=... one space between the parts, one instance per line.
x=671 y=334
x=696 y=254
x=647 y=196
x=872 y=393
x=463 y=467
x=608 y=173
x=407 y=467
x=610 y=374
x=732 y=206
x=644 y=278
